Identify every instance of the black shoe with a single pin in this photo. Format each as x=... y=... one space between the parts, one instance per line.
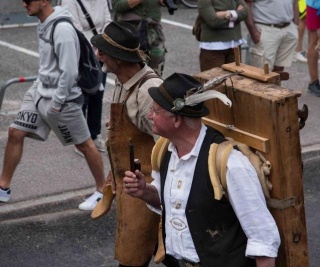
x=314 y=88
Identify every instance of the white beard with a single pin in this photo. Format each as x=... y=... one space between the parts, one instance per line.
x=104 y=68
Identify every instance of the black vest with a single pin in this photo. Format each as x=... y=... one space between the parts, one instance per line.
x=215 y=229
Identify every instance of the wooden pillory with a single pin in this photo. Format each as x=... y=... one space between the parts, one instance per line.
x=265 y=116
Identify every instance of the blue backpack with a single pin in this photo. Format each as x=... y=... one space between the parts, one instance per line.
x=90 y=74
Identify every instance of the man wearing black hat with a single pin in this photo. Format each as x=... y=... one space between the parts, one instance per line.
x=236 y=230
x=119 y=50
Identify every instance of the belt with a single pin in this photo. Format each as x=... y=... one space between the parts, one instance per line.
x=171 y=261
x=279 y=26
x=185 y=263
x=78 y=100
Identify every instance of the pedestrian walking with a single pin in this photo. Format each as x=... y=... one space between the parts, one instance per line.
x=136 y=225
x=91 y=17
x=313 y=26
x=54 y=100
x=273 y=29
x=301 y=55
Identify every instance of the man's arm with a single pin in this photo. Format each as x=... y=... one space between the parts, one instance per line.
x=254 y=32
x=265 y=262
x=295 y=12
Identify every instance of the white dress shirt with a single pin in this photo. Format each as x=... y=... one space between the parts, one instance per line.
x=245 y=195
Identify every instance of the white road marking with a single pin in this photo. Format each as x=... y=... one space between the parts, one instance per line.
x=35 y=54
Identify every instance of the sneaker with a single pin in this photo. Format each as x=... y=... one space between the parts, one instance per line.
x=78 y=152
x=314 y=88
x=5 y=195
x=99 y=143
x=301 y=56
x=91 y=202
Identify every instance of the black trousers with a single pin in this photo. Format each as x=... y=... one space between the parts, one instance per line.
x=92 y=110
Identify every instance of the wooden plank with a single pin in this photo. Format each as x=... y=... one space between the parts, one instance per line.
x=254 y=141
x=240 y=83
x=253 y=72
x=286 y=176
x=268 y=112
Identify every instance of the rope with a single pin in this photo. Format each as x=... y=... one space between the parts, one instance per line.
x=139 y=52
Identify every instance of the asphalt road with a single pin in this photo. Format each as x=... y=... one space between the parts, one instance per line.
x=68 y=237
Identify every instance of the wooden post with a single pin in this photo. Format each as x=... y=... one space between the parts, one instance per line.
x=266 y=68
x=237 y=55
x=264 y=116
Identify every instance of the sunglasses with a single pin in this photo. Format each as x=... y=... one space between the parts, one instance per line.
x=27 y=2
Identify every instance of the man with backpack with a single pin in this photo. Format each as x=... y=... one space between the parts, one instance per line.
x=54 y=100
x=200 y=229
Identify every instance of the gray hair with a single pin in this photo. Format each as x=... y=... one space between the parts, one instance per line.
x=192 y=123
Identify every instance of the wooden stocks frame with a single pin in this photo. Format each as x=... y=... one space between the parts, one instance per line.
x=264 y=116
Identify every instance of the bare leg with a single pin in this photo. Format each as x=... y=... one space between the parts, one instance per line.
x=94 y=161
x=313 y=55
x=301 y=29
x=12 y=156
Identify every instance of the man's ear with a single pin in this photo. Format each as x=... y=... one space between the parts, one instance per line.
x=177 y=120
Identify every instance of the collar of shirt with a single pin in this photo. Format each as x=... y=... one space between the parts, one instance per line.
x=196 y=148
x=127 y=85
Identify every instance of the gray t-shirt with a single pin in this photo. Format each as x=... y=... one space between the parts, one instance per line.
x=272 y=11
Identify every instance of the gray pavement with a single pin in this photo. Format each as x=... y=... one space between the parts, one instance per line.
x=51 y=180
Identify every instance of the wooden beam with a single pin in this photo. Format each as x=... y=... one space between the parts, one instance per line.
x=253 y=72
x=254 y=141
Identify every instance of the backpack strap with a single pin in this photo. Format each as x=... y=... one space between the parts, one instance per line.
x=88 y=18
x=217 y=164
x=214 y=176
x=54 y=27
x=148 y=75
x=158 y=151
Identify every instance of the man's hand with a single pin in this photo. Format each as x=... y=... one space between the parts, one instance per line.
x=54 y=110
x=255 y=36
x=240 y=7
x=134 y=184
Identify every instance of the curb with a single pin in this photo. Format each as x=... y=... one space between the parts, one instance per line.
x=43 y=205
x=70 y=200
x=310 y=152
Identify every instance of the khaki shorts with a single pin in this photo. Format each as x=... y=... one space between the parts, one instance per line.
x=37 y=119
x=276 y=46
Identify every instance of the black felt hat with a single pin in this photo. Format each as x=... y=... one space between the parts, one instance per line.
x=174 y=88
x=119 y=40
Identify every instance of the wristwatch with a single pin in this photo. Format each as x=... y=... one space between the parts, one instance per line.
x=228 y=15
